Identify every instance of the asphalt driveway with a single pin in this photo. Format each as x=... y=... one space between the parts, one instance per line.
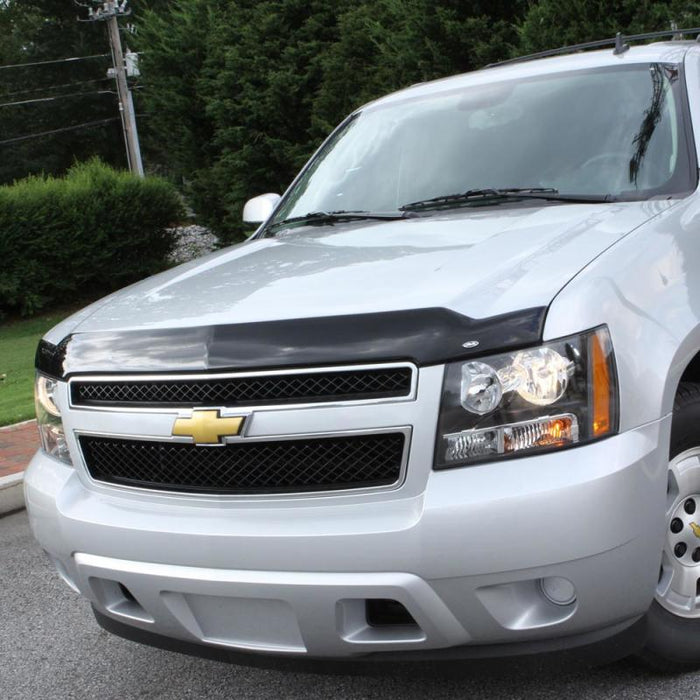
x=50 y=647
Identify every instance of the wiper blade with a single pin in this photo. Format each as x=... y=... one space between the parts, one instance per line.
x=491 y=193
x=331 y=217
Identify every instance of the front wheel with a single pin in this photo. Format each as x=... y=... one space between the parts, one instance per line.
x=673 y=621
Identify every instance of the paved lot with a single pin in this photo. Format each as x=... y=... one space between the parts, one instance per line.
x=50 y=647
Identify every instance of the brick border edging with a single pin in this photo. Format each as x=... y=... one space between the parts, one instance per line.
x=12 y=486
x=17 y=425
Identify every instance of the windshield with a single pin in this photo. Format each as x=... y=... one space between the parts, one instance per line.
x=613 y=132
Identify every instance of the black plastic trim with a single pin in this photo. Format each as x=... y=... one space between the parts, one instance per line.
x=424 y=336
x=49 y=358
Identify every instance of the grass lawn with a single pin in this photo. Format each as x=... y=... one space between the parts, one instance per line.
x=18 y=341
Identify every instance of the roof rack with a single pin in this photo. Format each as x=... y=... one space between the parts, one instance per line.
x=619 y=42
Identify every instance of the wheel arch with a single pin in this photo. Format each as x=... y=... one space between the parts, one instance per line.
x=691 y=374
x=684 y=368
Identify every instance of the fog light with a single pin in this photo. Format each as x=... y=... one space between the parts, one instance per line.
x=558 y=590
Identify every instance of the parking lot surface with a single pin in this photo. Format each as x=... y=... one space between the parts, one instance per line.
x=51 y=647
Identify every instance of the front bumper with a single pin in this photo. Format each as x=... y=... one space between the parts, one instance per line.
x=291 y=577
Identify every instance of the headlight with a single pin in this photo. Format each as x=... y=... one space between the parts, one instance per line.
x=560 y=394
x=48 y=415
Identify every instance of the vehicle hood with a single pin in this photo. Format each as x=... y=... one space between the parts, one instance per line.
x=478 y=263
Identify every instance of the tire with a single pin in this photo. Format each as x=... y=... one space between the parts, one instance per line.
x=673 y=637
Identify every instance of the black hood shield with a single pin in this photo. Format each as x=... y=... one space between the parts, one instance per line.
x=424 y=336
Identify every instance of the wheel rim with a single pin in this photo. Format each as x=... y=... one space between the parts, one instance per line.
x=678 y=589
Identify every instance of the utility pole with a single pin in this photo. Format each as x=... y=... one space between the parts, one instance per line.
x=109 y=11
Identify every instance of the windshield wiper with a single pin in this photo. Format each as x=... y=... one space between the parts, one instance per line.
x=331 y=217
x=493 y=194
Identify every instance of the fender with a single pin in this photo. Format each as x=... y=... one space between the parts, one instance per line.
x=646 y=288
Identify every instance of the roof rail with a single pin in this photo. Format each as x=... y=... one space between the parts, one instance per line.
x=619 y=42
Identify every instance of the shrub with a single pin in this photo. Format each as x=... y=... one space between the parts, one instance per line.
x=68 y=239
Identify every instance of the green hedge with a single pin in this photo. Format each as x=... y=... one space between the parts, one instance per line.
x=69 y=239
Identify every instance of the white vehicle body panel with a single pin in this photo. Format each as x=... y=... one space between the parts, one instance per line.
x=462 y=549
x=458 y=258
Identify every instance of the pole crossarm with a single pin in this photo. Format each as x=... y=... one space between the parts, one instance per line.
x=104 y=11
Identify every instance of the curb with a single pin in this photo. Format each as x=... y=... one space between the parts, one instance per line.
x=17 y=425
x=11 y=493
x=12 y=486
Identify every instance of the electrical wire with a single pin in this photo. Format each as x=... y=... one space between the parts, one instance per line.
x=55 y=87
x=85 y=125
x=58 y=60
x=54 y=98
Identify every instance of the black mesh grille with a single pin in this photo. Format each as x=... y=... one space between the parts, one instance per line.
x=281 y=466
x=246 y=391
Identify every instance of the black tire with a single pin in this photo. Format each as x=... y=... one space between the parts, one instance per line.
x=673 y=642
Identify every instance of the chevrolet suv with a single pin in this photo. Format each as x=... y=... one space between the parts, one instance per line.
x=443 y=403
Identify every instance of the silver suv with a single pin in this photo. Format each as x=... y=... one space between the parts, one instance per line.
x=443 y=403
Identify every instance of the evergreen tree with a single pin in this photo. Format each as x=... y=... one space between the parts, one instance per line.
x=385 y=45
x=240 y=93
x=553 y=23
x=260 y=79
x=174 y=39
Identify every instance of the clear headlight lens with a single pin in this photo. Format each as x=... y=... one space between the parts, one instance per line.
x=481 y=390
x=48 y=415
x=542 y=375
x=557 y=395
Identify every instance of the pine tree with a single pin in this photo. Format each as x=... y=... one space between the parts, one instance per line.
x=240 y=93
x=553 y=23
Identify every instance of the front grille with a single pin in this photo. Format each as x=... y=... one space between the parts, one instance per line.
x=307 y=387
x=280 y=466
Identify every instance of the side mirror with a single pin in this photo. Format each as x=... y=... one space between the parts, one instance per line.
x=260 y=208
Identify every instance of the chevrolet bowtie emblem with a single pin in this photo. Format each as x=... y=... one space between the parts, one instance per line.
x=695 y=528
x=207 y=427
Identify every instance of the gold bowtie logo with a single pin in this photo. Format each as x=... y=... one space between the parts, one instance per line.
x=695 y=528
x=207 y=427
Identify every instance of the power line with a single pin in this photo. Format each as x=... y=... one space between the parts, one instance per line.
x=54 y=87
x=53 y=98
x=58 y=60
x=85 y=125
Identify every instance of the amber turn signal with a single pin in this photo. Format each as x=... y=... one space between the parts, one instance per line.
x=601 y=374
